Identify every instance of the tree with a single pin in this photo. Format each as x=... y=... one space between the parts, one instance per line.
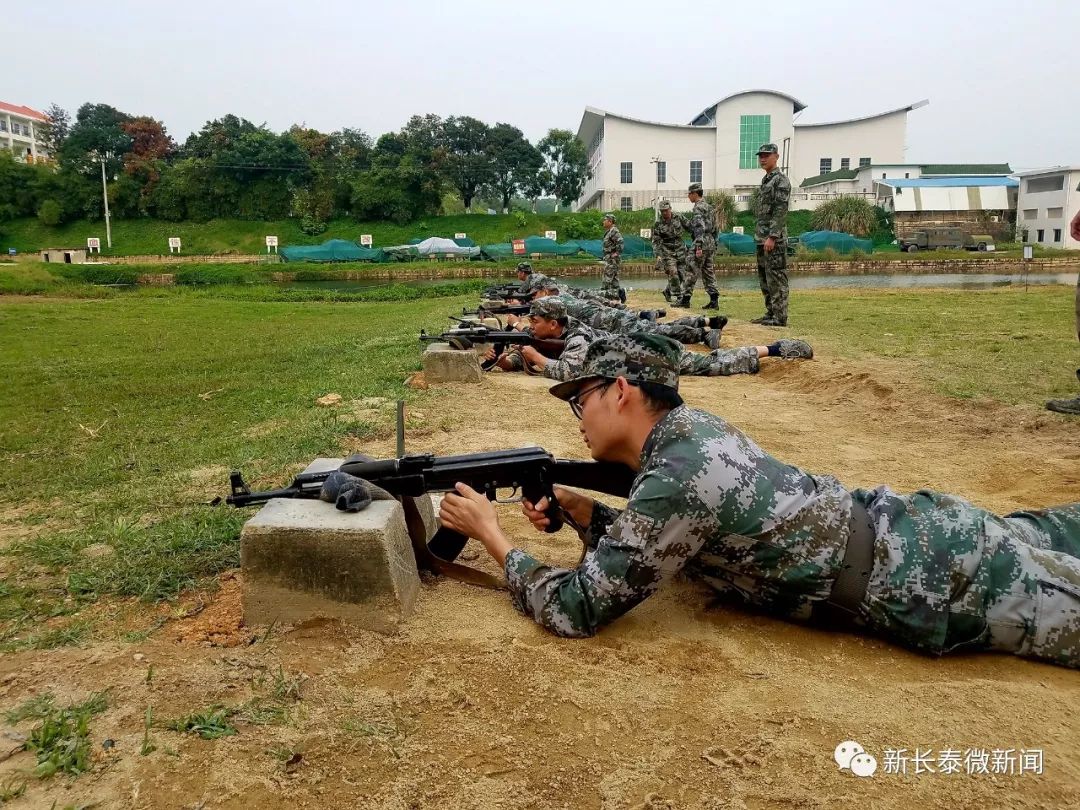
x=567 y=162
x=724 y=209
x=56 y=128
x=403 y=183
x=467 y=161
x=536 y=185
x=852 y=215
x=97 y=132
x=514 y=161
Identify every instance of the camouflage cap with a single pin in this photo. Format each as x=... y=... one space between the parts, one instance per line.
x=524 y=267
x=548 y=307
x=610 y=216
x=665 y=205
x=768 y=149
x=639 y=357
x=694 y=187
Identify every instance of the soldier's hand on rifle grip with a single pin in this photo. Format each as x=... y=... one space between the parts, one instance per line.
x=470 y=512
x=577 y=506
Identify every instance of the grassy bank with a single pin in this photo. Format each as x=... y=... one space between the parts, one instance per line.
x=227 y=236
x=123 y=412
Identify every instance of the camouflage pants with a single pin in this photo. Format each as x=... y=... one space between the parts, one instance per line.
x=700 y=266
x=611 y=273
x=773 y=276
x=673 y=266
x=625 y=323
x=949 y=576
x=720 y=362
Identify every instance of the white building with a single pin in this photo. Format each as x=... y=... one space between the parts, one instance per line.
x=20 y=131
x=1048 y=201
x=635 y=161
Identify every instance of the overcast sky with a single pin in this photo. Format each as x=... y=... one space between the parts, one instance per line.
x=1003 y=79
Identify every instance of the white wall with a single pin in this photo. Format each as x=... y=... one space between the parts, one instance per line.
x=729 y=113
x=637 y=143
x=880 y=139
x=1067 y=199
x=991 y=198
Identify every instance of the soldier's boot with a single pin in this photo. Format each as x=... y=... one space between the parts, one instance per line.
x=794 y=349
x=770 y=321
x=622 y=294
x=712 y=339
x=647 y=315
x=717 y=322
x=1069 y=406
x=714 y=301
x=684 y=301
x=762 y=319
x=667 y=295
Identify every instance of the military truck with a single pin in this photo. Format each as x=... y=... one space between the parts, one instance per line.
x=944 y=238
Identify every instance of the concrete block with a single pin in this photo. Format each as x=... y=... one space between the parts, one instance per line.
x=304 y=558
x=444 y=364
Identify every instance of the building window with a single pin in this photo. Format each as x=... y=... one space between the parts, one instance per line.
x=1055 y=213
x=845 y=163
x=1039 y=235
x=3 y=126
x=864 y=162
x=1038 y=184
x=1031 y=213
x=1057 y=234
x=825 y=166
x=695 y=171
x=661 y=171
x=626 y=172
x=883 y=175
x=907 y=175
x=754 y=130
x=625 y=204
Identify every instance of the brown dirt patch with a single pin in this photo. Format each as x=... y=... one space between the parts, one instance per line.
x=680 y=704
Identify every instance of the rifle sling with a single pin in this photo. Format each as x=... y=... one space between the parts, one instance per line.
x=426 y=560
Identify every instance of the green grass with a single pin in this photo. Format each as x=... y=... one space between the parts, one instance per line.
x=120 y=416
x=61 y=740
x=210 y=724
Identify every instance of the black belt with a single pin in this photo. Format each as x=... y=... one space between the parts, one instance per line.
x=849 y=589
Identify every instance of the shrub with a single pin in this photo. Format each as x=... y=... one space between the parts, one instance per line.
x=50 y=212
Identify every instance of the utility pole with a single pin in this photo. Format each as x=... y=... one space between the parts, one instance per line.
x=656 y=194
x=105 y=197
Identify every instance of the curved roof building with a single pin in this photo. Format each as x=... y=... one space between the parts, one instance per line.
x=634 y=161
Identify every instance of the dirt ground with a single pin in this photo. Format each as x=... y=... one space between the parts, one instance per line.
x=680 y=704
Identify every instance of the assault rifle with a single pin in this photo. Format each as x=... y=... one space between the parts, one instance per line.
x=505 y=291
x=530 y=471
x=466 y=338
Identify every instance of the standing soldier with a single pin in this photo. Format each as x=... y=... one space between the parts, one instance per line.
x=613 y=248
x=770 y=236
x=670 y=251
x=702 y=226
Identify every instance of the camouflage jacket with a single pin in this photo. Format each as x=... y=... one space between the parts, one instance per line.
x=773 y=206
x=667 y=237
x=578 y=336
x=613 y=242
x=710 y=503
x=701 y=223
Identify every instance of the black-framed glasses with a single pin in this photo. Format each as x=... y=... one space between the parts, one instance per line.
x=575 y=400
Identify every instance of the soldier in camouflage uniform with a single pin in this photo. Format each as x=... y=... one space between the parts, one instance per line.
x=531 y=280
x=608 y=319
x=926 y=570
x=1071 y=406
x=771 y=238
x=548 y=320
x=613 y=248
x=670 y=250
x=701 y=223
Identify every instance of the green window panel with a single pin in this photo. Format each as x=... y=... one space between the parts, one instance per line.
x=754 y=130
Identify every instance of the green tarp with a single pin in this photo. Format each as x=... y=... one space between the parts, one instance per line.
x=334 y=250
x=842 y=243
x=737 y=244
